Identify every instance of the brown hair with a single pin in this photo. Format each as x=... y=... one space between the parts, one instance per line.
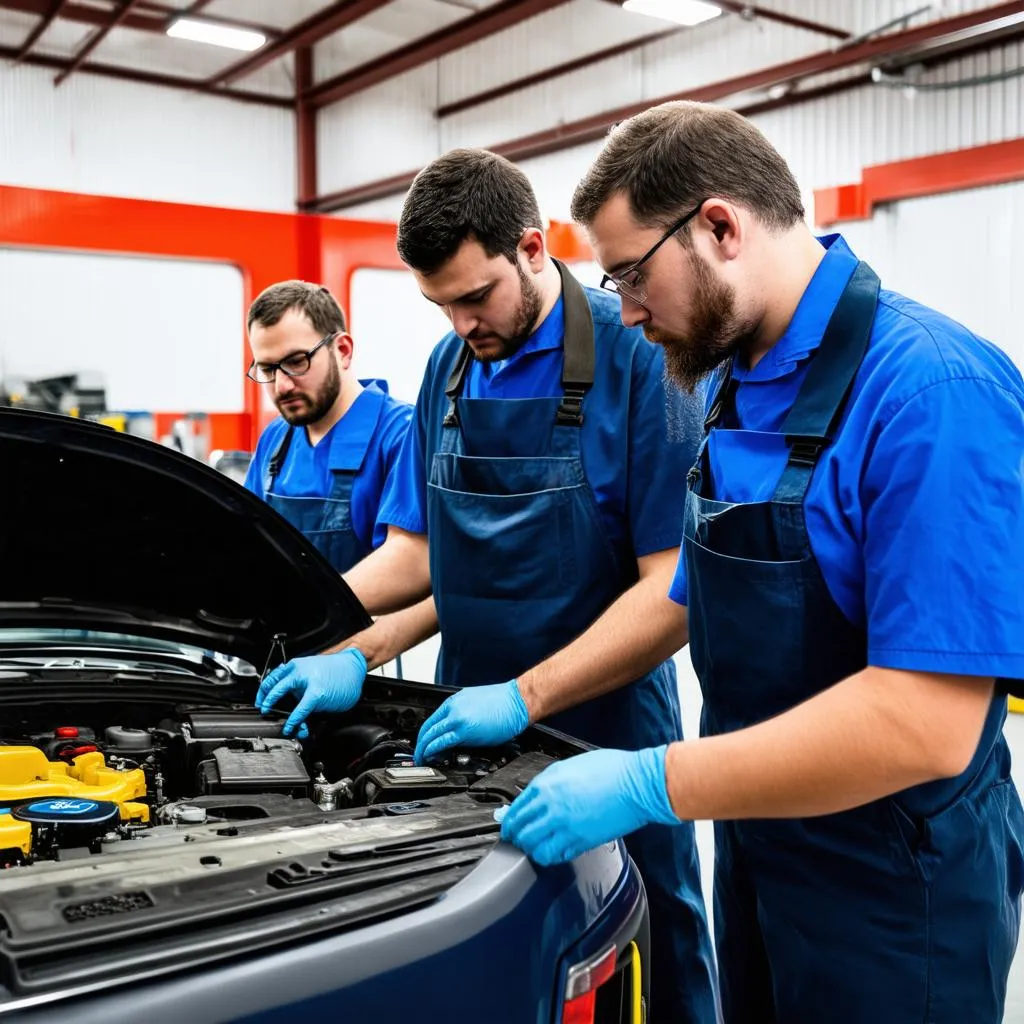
x=674 y=156
x=314 y=301
x=467 y=193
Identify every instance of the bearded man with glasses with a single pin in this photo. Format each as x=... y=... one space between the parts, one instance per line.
x=324 y=463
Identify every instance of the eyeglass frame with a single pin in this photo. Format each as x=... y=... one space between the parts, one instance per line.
x=633 y=292
x=277 y=366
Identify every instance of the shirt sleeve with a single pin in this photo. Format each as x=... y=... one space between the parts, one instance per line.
x=404 y=502
x=395 y=432
x=664 y=434
x=943 y=499
x=257 y=466
x=677 y=590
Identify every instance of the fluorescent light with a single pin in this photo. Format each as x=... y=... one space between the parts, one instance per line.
x=684 y=12
x=216 y=35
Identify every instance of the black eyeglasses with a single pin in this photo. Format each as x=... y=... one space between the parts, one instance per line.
x=294 y=366
x=630 y=281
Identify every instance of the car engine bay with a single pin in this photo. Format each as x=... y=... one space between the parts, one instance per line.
x=104 y=776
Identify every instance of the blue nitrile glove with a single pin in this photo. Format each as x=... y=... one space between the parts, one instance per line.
x=322 y=682
x=579 y=804
x=478 y=716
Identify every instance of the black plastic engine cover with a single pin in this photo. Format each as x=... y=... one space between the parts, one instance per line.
x=255 y=766
x=239 y=723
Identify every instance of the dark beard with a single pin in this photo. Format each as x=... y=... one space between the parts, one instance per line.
x=716 y=332
x=524 y=324
x=319 y=404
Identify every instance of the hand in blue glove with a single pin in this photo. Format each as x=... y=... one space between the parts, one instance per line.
x=579 y=804
x=478 y=716
x=323 y=682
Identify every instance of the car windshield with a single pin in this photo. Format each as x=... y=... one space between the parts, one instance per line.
x=18 y=644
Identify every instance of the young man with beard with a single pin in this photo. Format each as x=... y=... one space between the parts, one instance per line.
x=853 y=570
x=536 y=507
x=324 y=464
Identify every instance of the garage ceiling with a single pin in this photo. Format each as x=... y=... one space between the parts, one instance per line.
x=319 y=52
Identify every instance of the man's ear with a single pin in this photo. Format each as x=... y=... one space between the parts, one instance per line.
x=721 y=220
x=533 y=246
x=346 y=348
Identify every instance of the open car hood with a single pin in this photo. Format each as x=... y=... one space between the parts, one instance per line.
x=102 y=530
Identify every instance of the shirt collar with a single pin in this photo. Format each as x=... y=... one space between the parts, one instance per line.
x=805 y=330
x=548 y=336
x=350 y=437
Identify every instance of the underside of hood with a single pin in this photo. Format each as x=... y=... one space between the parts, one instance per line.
x=102 y=530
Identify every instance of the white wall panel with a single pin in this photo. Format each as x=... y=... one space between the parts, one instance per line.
x=380 y=132
x=395 y=330
x=972 y=267
x=114 y=138
x=163 y=334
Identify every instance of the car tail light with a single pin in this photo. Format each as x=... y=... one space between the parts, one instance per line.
x=582 y=984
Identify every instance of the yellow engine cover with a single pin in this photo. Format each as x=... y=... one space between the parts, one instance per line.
x=25 y=773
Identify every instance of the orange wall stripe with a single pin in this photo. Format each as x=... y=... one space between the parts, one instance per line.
x=265 y=247
x=993 y=164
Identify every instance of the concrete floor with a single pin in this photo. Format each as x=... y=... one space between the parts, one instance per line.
x=689 y=693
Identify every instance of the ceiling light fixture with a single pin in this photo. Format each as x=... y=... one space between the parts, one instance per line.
x=216 y=35
x=683 y=12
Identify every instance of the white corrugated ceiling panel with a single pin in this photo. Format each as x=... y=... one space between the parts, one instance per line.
x=388 y=28
x=281 y=14
x=568 y=31
x=60 y=39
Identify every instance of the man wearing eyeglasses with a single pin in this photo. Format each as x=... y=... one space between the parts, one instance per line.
x=853 y=574
x=536 y=507
x=324 y=464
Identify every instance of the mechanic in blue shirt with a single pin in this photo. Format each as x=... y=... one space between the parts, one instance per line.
x=531 y=496
x=853 y=568
x=324 y=464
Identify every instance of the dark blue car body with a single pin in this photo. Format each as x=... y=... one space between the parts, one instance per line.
x=394 y=906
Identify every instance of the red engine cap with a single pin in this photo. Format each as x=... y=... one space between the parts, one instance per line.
x=66 y=731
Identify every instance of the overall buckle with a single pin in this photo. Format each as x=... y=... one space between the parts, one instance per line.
x=570 y=409
x=805 y=451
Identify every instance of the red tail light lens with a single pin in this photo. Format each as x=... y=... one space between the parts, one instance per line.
x=582 y=984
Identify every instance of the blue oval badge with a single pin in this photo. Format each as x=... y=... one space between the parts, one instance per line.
x=62 y=807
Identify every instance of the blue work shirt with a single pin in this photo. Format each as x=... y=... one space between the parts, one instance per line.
x=916 y=513
x=638 y=438
x=362 y=440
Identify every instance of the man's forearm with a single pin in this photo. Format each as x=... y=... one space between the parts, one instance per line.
x=874 y=734
x=394 y=576
x=392 y=635
x=635 y=634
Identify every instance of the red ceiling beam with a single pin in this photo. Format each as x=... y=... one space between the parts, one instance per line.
x=94 y=40
x=1000 y=16
x=556 y=71
x=305 y=129
x=86 y=15
x=469 y=30
x=322 y=24
x=518 y=84
x=143 y=23
x=150 y=78
x=44 y=23
x=752 y=11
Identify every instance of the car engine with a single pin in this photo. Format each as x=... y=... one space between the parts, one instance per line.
x=72 y=791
